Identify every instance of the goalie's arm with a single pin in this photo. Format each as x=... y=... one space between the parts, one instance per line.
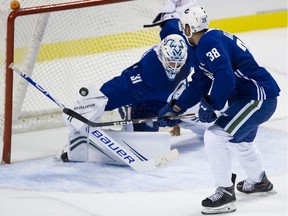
x=126 y=89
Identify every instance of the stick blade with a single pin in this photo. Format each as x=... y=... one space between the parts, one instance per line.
x=167 y=158
x=149 y=165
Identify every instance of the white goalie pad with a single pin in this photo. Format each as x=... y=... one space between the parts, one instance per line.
x=142 y=151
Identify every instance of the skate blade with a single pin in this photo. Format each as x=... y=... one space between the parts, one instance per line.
x=261 y=193
x=227 y=208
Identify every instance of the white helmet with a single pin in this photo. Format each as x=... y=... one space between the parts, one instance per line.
x=196 y=18
x=172 y=52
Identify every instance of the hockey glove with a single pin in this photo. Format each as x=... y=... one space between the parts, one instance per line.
x=166 y=12
x=206 y=112
x=169 y=10
x=90 y=105
x=166 y=113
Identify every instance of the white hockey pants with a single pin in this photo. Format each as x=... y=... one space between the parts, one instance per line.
x=218 y=150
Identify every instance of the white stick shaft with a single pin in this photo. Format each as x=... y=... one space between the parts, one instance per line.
x=36 y=85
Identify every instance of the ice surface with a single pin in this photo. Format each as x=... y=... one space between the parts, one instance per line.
x=37 y=184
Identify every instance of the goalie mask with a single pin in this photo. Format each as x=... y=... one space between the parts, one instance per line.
x=172 y=52
x=196 y=18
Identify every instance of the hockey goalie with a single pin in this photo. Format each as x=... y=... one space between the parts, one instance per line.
x=88 y=144
x=161 y=74
x=91 y=144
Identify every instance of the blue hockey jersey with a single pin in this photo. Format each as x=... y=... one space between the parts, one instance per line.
x=144 y=81
x=226 y=60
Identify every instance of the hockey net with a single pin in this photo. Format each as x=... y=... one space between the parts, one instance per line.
x=64 y=45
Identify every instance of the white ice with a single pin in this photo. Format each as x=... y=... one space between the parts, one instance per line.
x=36 y=184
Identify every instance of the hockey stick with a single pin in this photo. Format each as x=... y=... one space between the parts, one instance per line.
x=152 y=25
x=36 y=85
x=115 y=123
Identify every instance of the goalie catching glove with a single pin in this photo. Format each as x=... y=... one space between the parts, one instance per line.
x=171 y=10
x=90 y=104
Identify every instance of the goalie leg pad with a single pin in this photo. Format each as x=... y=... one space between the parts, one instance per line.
x=77 y=149
x=120 y=148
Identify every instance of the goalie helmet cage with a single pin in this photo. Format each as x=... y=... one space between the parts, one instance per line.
x=64 y=45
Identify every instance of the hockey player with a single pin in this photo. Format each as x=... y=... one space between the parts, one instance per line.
x=154 y=79
x=146 y=85
x=251 y=93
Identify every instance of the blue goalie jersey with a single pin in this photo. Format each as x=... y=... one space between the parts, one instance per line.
x=144 y=81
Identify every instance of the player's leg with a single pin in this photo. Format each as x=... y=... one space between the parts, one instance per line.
x=244 y=127
x=90 y=103
x=77 y=146
x=238 y=124
x=251 y=160
x=216 y=145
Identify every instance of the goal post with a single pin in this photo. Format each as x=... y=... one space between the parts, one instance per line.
x=63 y=45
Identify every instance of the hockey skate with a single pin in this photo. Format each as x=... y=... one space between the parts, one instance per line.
x=264 y=186
x=222 y=201
x=64 y=156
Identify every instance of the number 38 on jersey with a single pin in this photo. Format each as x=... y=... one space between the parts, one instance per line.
x=213 y=54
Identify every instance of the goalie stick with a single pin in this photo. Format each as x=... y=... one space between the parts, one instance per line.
x=81 y=118
x=36 y=85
